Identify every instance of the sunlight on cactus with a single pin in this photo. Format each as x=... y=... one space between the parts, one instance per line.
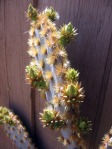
x=64 y=92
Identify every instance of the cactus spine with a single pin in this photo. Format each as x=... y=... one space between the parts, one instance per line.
x=63 y=92
x=14 y=129
x=107 y=141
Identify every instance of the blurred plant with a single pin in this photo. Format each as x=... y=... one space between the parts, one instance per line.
x=72 y=74
x=107 y=141
x=5 y=116
x=84 y=125
x=15 y=129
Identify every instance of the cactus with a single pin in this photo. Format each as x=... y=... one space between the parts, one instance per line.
x=67 y=32
x=51 y=14
x=52 y=119
x=107 y=141
x=34 y=77
x=60 y=84
x=15 y=130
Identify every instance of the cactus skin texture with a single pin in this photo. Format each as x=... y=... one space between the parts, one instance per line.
x=63 y=92
x=107 y=141
x=15 y=130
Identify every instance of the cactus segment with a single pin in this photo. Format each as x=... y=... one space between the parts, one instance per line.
x=64 y=92
x=107 y=141
x=14 y=129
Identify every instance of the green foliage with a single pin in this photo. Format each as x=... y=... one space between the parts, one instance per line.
x=67 y=33
x=34 y=77
x=5 y=117
x=72 y=74
x=32 y=13
x=84 y=125
x=51 y=13
x=71 y=90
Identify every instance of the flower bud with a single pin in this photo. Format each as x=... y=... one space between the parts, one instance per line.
x=71 y=90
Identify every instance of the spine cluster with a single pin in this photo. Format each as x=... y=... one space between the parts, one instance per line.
x=107 y=141
x=50 y=72
x=14 y=129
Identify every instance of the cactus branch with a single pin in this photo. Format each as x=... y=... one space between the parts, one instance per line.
x=64 y=93
x=107 y=141
x=15 y=130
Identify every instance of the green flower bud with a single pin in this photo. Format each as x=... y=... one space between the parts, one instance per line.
x=84 y=125
x=5 y=116
x=51 y=13
x=67 y=33
x=5 y=111
x=32 y=71
x=71 y=90
x=32 y=13
x=34 y=77
x=72 y=74
x=48 y=115
x=41 y=84
x=7 y=119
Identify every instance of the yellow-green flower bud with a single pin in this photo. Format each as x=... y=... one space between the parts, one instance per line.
x=84 y=125
x=72 y=74
x=71 y=90
x=48 y=115
x=67 y=33
x=32 y=13
x=51 y=13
